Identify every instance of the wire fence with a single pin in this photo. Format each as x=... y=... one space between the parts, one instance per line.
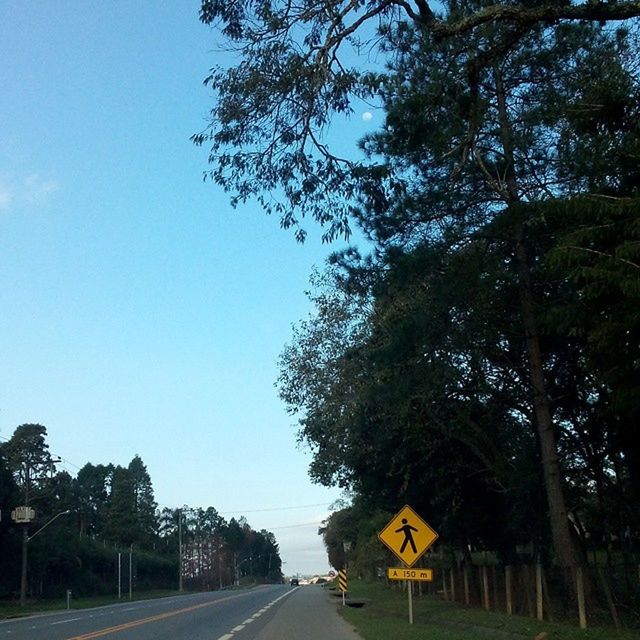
x=606 y=593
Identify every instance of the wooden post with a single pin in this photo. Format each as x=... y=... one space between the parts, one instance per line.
x=527 y=589
x=547 y=598
x=496 y=591
x=539 y=609
x=485 y=585
x=582 y=616
x=508 y=590
x=453 y=586
x=610 y=603
x=465 y=576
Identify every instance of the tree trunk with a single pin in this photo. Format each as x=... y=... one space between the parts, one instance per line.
x=563 y=544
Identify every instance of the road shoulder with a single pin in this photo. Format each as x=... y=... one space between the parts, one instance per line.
x=309 y=613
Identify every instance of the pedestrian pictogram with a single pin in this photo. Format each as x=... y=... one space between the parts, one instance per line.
x=408 y=535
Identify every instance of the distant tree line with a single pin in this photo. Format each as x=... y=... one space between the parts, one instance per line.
x=112 y=510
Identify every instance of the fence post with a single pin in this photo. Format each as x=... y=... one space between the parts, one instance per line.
x=453 y=586
x=485 y=584
x=465 y=576
x=539 y=610
x=527 y=590
x=582 y=616
x=608 y=596
x=507 y=588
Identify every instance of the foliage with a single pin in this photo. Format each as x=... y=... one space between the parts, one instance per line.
x=108 y=512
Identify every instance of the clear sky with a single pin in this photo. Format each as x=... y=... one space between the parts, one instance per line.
x=139 y=313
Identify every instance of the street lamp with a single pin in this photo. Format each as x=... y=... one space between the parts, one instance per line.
x=62 y=513
x=26 y=538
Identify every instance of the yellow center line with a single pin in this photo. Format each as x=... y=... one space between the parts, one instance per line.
x=141 y=621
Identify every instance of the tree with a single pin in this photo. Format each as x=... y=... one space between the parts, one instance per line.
x=423 y=408
x=93 y=484
x=471 y=134
x=272 y=108
x=28 y=458
x=130 y=512
x=144 y=503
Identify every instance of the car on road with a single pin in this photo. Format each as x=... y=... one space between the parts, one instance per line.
x=294 y=582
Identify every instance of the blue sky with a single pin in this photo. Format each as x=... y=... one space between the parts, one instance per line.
x=140 y=313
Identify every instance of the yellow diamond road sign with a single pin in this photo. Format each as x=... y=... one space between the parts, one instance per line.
x=408 y=535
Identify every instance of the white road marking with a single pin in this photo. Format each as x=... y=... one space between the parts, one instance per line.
x=240 y=627
x=65 y=621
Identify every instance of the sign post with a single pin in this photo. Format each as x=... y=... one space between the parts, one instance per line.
x=408 y=536
x=342 y=583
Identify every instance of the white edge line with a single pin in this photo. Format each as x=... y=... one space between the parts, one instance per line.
x=65 y=621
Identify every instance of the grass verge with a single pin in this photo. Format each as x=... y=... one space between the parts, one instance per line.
x=385 y=615
x=14 y=610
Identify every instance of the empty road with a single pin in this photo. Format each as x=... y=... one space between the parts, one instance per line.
x=262 y=613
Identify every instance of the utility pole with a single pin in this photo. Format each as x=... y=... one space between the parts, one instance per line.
x=23 y=574
x=25 y=538
x=235 y=566
x=180 y=550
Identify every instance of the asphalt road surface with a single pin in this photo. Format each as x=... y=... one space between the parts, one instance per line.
x=274 y=612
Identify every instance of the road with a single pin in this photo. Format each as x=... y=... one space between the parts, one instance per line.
x=262 y=613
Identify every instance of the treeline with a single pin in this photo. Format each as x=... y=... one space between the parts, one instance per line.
x=106 y=519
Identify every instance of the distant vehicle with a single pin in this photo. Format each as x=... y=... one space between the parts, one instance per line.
x=294 y=582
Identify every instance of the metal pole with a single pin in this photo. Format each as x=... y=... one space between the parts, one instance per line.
x=180 y=550
x=119 y=575
x=23 y=575
x=130 y=573
x=25 y=540
x=235 y=563
x=410 y=592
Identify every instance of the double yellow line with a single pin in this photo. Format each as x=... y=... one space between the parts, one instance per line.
x=138 y=623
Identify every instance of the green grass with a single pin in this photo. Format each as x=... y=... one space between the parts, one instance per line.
x=385 y=615
x=14 y=610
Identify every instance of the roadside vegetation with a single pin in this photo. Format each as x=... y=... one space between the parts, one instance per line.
x=385 y=615
x=101 y=530
x=14 y=610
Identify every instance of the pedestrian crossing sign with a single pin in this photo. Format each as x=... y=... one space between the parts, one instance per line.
x=408 y=535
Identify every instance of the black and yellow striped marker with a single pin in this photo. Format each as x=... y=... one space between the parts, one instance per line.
x=342 y=580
